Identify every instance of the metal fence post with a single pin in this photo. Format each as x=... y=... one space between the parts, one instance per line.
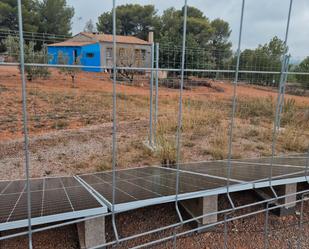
x=234 y=104
x=114 y=142
x=179 y=125
x=151 y=98
x=25 y=119
x=157 y=94
x=280 y=99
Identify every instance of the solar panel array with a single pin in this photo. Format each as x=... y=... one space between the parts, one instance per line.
x=147 y=183
x=138 y=187
x=155 y=183
x=49 y=196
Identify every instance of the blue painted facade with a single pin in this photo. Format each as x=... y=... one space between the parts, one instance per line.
x=89 y=55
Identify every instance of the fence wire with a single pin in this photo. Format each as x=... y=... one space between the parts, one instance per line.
x=184 y=69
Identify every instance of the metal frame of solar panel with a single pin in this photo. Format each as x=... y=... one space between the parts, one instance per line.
x=52 y=200
x=145 y=186
x=140 y=187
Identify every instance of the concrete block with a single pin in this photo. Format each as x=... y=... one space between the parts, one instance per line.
x=203 y=205
x=287 y=189
x=91 y=232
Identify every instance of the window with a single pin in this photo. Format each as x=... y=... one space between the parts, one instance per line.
x=140 y=54
x=143 y=54
x=109 y=52
x=137 y=53
x=89 y=55
x=121 y=52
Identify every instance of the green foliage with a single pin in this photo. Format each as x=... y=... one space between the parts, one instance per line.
x=132 y=19
x=9 y=20
x=31 y=56
x=207 y=41
x=265 y=57
x=9 y=17
x=55 y=17
x=303 y=67
x=209 y=36
x=221 y=46
x=47 y=16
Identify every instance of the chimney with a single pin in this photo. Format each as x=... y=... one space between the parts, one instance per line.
x=150 y=36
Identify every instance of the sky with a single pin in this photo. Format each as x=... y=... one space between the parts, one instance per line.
x=263 y=19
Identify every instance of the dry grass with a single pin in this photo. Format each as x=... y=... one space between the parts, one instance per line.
x=205 y=120
x=256 y=107
x=293 y=139
x=218 y=144
x=166 y=141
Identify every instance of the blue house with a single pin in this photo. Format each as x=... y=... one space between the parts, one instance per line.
x=88 y=54
x=95 y=50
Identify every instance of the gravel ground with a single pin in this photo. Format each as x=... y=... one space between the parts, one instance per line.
x=65 y=237
x=67 y=152
x=242 y=233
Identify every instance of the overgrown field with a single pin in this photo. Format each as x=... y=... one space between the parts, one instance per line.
x=70 y=127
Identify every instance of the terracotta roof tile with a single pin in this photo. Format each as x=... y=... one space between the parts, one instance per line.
x=119 y=38
x=71 y=43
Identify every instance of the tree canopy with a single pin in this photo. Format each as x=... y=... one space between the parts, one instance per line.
x=9 y=18
x=138 y=20
x=132 y=19
x=47 y=16
x=55 y=17
x=301 y=68
x=267 y=57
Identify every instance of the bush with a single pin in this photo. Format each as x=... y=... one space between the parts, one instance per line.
x=31 y=56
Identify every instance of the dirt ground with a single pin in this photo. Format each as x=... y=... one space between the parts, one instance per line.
x=71 y=130
x=47 y=98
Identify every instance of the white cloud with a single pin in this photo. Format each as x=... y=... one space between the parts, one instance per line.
x=263 y=19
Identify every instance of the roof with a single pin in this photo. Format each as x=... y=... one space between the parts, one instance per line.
x=119 y=38
x=71 y=43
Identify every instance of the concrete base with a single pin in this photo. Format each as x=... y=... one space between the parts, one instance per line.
x=289 y=208
x=285 y=190
x=199 y=206
x=152 y=148
x=91 y=232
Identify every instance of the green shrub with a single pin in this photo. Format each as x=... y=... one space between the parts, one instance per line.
x=31 y=56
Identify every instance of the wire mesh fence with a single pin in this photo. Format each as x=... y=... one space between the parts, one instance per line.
x=187 y=105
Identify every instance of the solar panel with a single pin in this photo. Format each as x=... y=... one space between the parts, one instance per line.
x=242 y=170
x=149 y=185
x=290 y=161
x=52 y=199
x=3 y=185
